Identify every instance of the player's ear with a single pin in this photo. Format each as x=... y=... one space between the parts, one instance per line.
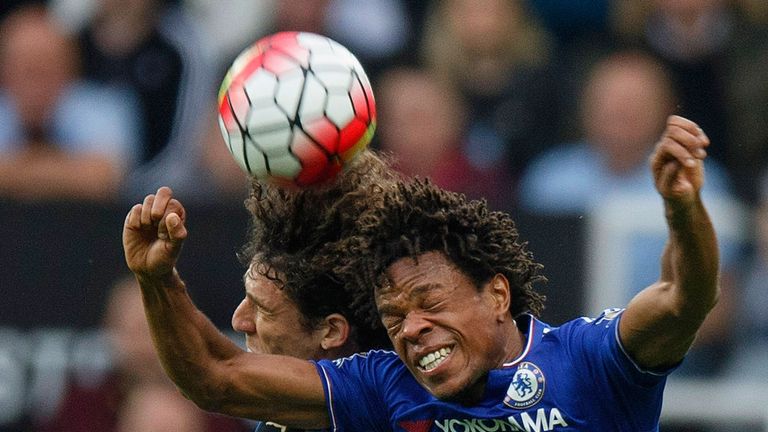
x=336 y=332
x=499 y=292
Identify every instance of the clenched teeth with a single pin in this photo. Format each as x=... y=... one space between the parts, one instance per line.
x=432 y=360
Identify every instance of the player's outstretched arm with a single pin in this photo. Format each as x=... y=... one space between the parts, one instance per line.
x=209 y=368
x=661 y=322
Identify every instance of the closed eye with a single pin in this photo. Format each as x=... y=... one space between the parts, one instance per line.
x=255 y=305
x=432 y=306
x=392 y=324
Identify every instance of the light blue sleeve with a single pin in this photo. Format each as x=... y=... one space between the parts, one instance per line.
x=562 y=181
x=98 y=119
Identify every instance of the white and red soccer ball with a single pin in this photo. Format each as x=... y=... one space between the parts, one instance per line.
x=295 y=108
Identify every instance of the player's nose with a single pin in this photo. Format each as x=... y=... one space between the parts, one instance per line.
x=414 y=326
x=241 y=320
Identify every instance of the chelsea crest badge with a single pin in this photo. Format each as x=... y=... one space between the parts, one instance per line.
x=527 y=387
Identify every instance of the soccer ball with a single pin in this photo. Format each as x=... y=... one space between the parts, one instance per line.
x=295 y=107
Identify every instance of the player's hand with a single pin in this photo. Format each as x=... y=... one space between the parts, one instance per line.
x=153 y=234
x=678 y=160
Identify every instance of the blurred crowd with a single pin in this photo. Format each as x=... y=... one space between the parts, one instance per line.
x=540 y=107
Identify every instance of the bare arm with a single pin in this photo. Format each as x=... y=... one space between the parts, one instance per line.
x=210 y=369
x=661 y=322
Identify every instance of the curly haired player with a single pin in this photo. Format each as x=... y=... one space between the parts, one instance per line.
x=452 y=286
x=290 y=308
x=288 y=226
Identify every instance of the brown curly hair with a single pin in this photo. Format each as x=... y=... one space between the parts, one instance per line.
x=417 y=217
x=290 y=229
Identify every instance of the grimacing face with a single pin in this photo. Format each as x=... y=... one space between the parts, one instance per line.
x=271 y=322
x=447 y=332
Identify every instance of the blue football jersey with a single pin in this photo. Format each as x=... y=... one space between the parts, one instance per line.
x=576 y=377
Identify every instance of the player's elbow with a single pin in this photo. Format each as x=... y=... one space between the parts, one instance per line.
x=204 y=399
x=203 y=388
x=221 y=392
x=212 y=397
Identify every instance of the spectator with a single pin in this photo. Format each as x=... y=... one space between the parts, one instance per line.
x=153 y=49
x=422 y=124
x=718 y=58
x=421 y=120
x=60 y=136
x=626 y=100
x=110 y=403
x=495 y=54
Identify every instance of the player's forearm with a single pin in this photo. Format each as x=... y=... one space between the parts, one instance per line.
x=217 y=375
x=190 y=347
x=691 y=260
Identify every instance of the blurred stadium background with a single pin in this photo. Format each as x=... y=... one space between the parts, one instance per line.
x=546 y=108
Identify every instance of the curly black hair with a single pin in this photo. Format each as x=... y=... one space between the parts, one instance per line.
x=290 y=229
x=416 y=217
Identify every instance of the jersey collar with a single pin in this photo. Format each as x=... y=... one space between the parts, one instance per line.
x=533 y=330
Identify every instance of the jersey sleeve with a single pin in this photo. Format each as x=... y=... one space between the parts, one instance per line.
x=351 y=386
x=596 y=343
x=595 y=348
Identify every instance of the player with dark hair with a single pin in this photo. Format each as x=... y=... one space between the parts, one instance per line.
x=452 y=285
x=289 y=309
x=419 y=217
x=287 y=227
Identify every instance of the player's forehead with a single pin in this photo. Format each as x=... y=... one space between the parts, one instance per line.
x=412 y=278
x=432 y=266
x=260 y=282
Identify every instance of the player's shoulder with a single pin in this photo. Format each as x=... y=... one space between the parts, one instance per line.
x=374 y=357
x=376 y=366
x=582 y=337
x=604 y=319
x=606 y=315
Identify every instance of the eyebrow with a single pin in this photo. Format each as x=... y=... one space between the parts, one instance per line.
x=418 y=291
x=255 y=300
x=387 y=310
x=421 y=290
x=247 y=273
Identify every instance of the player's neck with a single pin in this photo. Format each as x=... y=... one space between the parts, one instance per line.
x=516 y=340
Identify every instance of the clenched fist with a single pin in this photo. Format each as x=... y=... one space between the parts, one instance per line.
x=678 y=160
x=153 y=234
